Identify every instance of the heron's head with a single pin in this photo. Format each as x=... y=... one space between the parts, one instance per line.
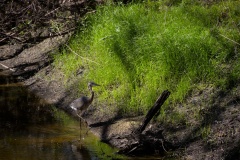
x=91 y=84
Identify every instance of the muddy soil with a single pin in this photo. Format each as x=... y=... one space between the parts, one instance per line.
x=214 y=133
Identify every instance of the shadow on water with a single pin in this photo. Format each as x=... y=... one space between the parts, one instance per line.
x=33 y=129
x=18 y=107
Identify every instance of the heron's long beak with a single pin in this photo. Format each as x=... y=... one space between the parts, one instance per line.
x=92 y=84
x=95 y=84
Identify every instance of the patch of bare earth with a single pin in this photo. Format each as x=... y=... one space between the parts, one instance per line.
x=212 y=128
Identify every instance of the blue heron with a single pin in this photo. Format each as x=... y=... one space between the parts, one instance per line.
x=82 y=103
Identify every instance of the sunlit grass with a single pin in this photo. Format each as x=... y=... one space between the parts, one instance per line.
x=138 y=50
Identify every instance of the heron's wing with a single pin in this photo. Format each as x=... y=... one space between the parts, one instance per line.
x=77 y=104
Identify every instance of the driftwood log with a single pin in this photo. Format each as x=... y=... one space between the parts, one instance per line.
x=151 y=141
x=154 y=110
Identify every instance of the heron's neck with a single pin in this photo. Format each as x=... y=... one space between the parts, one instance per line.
x=92 y=96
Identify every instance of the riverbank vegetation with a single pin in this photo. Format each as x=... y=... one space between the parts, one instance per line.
x=137 y=50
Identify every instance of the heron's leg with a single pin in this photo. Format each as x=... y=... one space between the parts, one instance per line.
x=84 y=119
x=80 y=124
x=88 y=128
x=80 y=117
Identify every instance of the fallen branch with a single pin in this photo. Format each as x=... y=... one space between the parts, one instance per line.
x=81 y=56
x=10 y=36
x=154 y=110
x=137 y=142
x=13 y=70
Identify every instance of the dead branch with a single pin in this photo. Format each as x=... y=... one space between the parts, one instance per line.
x=11 y=69
x=156 y=107
x=137 y=141
x=10 y=36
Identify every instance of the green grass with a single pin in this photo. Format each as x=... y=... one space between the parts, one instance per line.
x=136 y=51
x=205 y=131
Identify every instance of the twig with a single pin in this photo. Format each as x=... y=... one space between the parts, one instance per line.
x=132 y=150
x=13 y=70
x=51 y=11
x=81 y=56
x=230 y=39
x=3 y=39
x=10 y=36
x=80 y=123
x=163 y=146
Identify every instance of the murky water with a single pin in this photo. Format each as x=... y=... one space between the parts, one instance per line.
x=55 y=141
x=32 y=129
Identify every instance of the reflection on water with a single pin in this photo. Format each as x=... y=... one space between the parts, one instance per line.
x=42 y=142
x=55 y=141
x=32 y=129
x=18 y=106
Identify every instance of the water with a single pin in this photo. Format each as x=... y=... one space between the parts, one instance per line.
x=54 y=141
x=32 y=129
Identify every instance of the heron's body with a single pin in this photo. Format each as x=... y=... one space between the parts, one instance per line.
x=82 y=103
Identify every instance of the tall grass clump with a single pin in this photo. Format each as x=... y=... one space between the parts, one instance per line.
x=138 y=50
